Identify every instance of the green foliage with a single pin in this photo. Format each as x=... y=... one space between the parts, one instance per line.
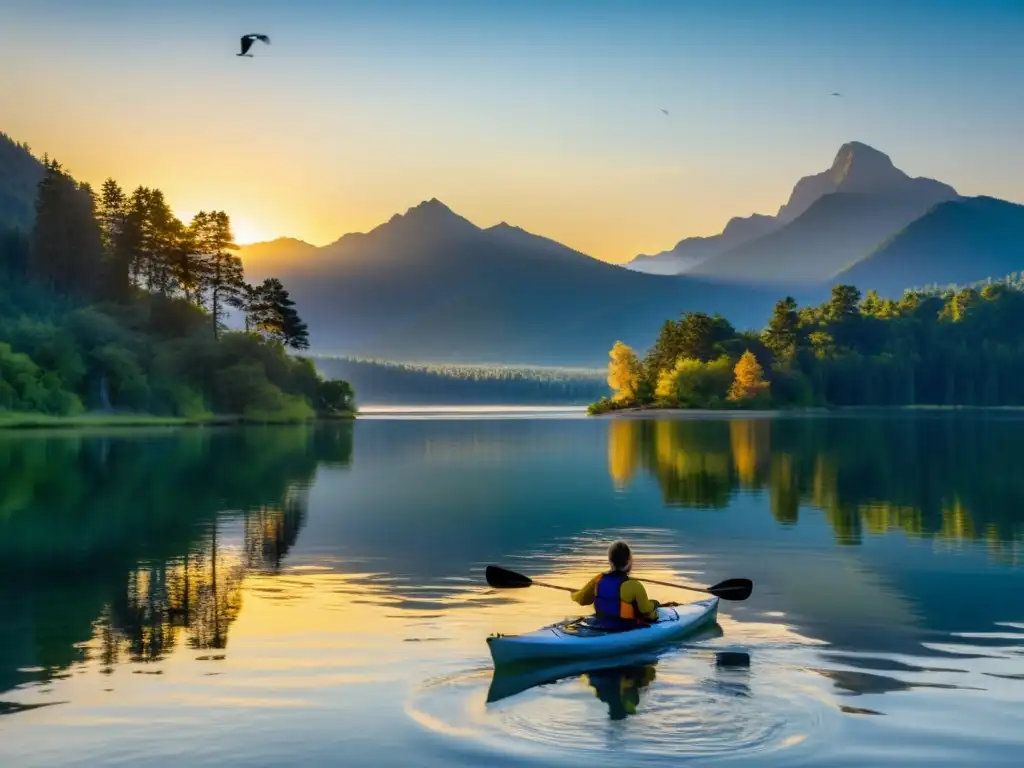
x=604 y=405
x=960 y=347
x=692 y=383
x=269 y=310
x=335 y=397
x=112 y=306
x=24 y=386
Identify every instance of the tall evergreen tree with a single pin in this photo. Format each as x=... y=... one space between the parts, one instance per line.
x=272 y=311
x=67 y=245
x=781 y=335
x=138 y=236
x=117 y=254
x=221 y=278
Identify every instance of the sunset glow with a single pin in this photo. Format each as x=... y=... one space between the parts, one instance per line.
x=528 y=113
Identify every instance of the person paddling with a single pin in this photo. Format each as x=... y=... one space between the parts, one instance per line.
x=618 y=600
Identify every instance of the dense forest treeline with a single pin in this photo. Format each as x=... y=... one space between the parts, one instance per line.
x=110 y=302
x=387 y=382
x=1014 y=280
x=963 y=347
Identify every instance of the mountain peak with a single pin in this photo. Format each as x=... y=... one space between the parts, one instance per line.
x=857 y=163
x=861 y=169
x=433 y=205
x=430 y=216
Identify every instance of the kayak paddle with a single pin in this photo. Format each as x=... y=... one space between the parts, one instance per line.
x=730 y=589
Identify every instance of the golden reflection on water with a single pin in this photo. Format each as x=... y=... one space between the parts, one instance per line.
x=224 y=620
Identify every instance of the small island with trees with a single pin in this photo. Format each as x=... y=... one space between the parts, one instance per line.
x=945 y=347
x=112 y=310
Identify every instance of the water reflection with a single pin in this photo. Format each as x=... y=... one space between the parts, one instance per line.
x=947 y=478
x=128 y=549
x=344 y=610
x=619 y=682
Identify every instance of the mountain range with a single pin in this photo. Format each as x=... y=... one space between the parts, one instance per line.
x=428 y=285
x=831 y=220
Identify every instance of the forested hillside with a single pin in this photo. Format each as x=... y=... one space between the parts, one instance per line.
x=20 y=172
x=111 y=303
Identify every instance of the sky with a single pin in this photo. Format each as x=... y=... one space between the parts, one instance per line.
x=542 y=113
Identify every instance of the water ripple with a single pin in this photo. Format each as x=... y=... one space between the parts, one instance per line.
x=691 y=705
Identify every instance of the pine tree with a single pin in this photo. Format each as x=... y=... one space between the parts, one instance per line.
x=781 y=335
x=270 y=310
x=66 y=241
x=165 y=232
x=220 y=271
x=117 y=254
x=138 y=236
x=749 y=383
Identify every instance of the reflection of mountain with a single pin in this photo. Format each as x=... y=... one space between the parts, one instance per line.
x=138 y=544
x=946 y=478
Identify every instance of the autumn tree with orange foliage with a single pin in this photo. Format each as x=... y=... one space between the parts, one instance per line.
x=749 y=384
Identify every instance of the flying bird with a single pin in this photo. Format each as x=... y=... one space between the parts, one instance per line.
x=836 y=94
x=665 y=111
x=248 y=40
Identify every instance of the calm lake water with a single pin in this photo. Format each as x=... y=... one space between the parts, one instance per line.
x=304 y=596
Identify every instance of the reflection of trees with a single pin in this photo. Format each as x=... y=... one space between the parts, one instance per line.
x=271 y=532
x=948 y=478
x=127 y=541
x=691 y=460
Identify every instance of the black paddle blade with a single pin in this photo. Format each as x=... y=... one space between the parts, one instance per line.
x=502 y=578
x=732 y=589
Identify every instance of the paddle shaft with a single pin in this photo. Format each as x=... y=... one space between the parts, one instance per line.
x=730 y=589
x=649 y=581
x=550 y=586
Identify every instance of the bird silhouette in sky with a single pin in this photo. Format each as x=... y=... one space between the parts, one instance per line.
x=836 y=94
x=248 y=40
x=665 y=111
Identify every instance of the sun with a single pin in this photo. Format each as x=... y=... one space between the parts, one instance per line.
x=245 y=230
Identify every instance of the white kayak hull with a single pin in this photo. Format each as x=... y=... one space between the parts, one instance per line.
x=565 y=640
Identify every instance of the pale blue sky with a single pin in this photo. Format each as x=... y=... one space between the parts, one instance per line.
x=544 y=114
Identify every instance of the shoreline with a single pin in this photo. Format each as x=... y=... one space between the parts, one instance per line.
x=30 y=421
x=679 y=414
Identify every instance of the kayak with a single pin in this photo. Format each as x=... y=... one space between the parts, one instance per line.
x=582 y=638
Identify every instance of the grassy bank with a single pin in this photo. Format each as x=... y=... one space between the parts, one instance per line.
x=14 y=421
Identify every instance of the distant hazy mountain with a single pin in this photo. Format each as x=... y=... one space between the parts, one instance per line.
x=831 y=219
x=20 y=172
x=272 y=256
x=955 y=242
x=430 y=286
x=837 y=230
x=692 y=251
